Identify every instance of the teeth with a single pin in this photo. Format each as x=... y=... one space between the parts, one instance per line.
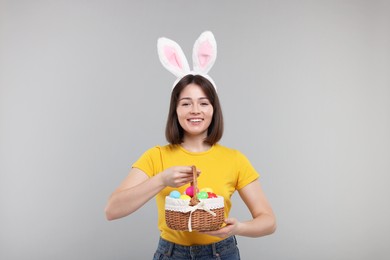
x=195 y=120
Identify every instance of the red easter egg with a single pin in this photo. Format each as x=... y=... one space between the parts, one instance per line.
x=212 y=195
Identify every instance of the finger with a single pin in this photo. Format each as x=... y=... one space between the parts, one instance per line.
x=184 y=169
x=230 y=221
x=189 y=169
x=186 y=179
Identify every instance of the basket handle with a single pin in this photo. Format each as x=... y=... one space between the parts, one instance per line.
x=194 y=200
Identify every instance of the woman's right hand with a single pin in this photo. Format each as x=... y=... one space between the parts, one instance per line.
x=177 y=176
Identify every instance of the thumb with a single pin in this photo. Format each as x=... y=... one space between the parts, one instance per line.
x=230 y=221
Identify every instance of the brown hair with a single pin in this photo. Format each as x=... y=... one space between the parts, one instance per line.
x=174 y=132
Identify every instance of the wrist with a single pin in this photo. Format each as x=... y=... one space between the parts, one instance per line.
x=239 y=228
x=161 y=180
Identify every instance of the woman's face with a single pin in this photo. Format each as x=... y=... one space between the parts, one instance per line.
x=194 y=111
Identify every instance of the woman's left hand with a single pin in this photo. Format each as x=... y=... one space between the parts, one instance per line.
x=229 y=230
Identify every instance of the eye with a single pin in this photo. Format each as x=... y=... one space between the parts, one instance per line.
x=184 y=104
x=204 y=104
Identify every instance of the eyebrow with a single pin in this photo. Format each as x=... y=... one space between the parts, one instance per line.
x=188 y=98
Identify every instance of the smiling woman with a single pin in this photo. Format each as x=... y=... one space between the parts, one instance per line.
x=193 y=130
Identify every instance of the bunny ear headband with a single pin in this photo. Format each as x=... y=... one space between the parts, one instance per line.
x=204 y=54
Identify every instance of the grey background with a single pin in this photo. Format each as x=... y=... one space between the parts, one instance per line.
x=305 y=89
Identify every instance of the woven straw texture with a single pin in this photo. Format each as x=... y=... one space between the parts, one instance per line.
x=200 y=220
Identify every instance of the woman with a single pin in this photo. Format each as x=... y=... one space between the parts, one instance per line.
x=194 y=127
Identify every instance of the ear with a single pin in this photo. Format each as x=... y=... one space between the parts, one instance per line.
x=204 y=52
x=172 y=57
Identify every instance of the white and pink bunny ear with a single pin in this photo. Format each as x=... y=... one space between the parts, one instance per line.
x=172 y=57
x=204 y=53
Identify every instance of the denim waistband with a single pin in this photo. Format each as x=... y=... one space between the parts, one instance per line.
x=187 y=252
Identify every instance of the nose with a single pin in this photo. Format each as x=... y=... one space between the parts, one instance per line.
x=195 y=109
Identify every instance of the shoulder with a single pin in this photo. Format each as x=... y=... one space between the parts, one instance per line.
x=152 y=152
x=168 y=148
x=231 y=153
x=158 y=149
x=226 y=150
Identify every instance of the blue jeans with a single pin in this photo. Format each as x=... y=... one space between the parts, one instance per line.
x=226 y=250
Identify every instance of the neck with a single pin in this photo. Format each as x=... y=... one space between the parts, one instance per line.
x=195 y=144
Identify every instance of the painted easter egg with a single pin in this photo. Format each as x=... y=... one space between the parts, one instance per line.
x=174 y=194
x=190 y=191
x=207 y=189
x=202 y=195
x=211 y=195
x=185 y=197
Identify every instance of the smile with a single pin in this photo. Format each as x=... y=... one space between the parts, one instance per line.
x=195 y=120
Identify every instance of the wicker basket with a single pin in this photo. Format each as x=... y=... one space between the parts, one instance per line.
x=194 y=214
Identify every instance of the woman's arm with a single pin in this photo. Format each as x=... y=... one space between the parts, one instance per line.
x=138 y=188
x=263 y=220
x=133 y=192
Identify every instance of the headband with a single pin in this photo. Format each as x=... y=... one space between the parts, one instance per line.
x=173 y=59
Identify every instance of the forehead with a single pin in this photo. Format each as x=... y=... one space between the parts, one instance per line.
x=192 y=90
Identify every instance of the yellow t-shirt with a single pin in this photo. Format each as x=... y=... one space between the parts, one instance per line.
x=222 y=169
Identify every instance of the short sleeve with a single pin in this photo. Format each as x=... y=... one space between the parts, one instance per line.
x=246 y=172
x=150 y=161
